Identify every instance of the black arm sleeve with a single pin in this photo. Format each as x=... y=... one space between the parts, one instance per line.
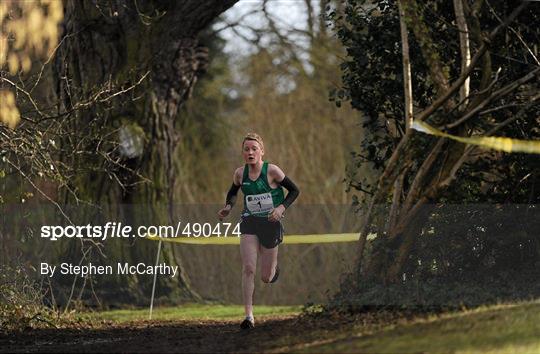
x=293 y=191
x=231 y=195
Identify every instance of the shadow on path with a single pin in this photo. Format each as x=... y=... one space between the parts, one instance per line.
x=205 y=336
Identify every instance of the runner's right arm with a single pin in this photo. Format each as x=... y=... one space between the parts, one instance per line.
x=231 y=195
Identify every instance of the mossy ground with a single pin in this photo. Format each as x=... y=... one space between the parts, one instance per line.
x=195 y=328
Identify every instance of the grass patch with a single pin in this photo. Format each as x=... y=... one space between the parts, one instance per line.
x=497 y=329
x=192 y=312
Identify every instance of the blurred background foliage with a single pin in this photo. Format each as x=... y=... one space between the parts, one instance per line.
x=278 y=87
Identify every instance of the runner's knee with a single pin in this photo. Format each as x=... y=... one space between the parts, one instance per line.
x=248 y=270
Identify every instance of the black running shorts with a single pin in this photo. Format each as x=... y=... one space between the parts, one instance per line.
x=269 y=233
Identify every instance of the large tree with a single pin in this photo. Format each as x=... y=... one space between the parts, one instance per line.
x=467 y=67
x=123 y=71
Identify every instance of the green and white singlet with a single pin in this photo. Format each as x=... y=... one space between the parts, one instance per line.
x=259 y=197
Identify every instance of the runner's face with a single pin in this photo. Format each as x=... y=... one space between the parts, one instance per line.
x=252 y=152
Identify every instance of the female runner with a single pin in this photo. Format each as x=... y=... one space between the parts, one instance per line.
x=261 y=228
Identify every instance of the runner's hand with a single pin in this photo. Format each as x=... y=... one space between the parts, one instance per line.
x=277 y=213
x=224 y=212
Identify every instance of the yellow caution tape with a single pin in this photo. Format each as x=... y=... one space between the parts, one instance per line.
x=491 y=142
x=234 y=240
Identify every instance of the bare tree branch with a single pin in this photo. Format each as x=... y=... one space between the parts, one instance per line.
x=407 y=80
x=463 y=45
x=499 y=93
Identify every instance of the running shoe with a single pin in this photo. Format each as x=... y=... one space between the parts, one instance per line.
x=247 y=323
x=276 y=275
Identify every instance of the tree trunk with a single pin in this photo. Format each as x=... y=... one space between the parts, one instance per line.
x=125 y=69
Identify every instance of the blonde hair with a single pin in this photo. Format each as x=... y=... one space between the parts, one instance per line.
x=255 y=137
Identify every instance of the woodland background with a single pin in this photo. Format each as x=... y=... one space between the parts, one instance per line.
x=131 y=111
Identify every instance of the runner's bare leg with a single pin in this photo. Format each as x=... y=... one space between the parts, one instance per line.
x=249 y=247
x=269 y=258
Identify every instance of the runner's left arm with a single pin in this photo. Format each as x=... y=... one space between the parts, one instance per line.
x=292 y=189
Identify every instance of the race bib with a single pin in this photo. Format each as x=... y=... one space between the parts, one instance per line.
x=259 y=203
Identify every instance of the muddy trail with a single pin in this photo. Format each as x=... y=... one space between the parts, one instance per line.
x=271 y=334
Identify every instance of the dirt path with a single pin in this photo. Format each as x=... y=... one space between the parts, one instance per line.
x=275 y=334
x=513 y=326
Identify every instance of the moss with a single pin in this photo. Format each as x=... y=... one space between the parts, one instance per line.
x=503 y=328
x=191 y=311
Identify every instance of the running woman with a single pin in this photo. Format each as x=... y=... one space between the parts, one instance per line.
x=261 y=228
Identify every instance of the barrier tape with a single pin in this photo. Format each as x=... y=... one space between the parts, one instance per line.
x=490 y=142
x=234 y=240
